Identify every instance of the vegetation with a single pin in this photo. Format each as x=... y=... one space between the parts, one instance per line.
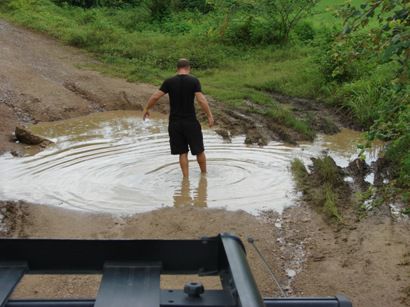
x=353 y=56
x=323 y=186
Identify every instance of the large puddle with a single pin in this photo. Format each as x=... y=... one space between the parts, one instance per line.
x=114 y=162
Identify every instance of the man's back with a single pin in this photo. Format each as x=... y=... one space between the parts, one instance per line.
x=181 y=89
x=184 y=129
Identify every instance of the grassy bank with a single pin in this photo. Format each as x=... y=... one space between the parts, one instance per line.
x=236 y=55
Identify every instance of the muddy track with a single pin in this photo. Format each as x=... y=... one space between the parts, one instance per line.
x=39 y=81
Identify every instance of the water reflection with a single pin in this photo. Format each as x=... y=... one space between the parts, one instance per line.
x=198 y=198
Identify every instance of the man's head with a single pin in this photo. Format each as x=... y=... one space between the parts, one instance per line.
x=183 y=66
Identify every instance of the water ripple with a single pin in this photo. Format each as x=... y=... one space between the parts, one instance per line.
x=114 y=162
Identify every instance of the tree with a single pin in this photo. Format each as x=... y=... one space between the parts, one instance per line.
x=392 y=35
x=228 y=9
x=289 y=13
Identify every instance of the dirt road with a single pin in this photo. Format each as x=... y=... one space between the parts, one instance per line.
x=368 y=260
x=39 y=81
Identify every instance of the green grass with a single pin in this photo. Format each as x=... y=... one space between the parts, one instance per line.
x=330 y=203
x=299 y=172
x=324 y=13
x=322 y=187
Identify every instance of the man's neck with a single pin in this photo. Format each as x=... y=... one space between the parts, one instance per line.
x=183 y=72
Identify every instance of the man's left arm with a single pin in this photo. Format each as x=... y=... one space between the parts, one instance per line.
x=151 y=102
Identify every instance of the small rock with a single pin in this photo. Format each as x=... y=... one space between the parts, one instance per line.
x=15 y=153
x=25 y=136
x=224 y=133
x=290 y=273
x=318 y=258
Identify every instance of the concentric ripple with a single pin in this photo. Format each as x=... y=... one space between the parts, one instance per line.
x=114 y=162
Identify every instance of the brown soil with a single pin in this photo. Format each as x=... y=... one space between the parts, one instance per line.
x=39 y=82
x=367 y=260
x=323 y=117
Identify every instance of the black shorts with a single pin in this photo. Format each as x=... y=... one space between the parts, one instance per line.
x=184 y=133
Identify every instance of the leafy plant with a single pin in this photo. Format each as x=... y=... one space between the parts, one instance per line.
x=289 y=13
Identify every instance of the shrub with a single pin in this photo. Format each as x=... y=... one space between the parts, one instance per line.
x=246 y=29
x=305 y=31
x=346 y=60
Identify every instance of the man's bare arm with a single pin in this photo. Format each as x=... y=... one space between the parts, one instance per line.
x=205 y=107
x=151 y=102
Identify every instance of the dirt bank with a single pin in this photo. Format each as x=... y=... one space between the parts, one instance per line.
x=39 y=81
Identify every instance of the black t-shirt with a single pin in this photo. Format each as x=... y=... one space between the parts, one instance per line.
x=181 y=90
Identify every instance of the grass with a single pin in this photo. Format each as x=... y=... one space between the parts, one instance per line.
x=299 y=172
x=323 y=187
x=330 y=203
x=325 y=12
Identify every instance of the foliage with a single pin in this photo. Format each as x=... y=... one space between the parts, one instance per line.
x=323 y=186
x=289 y=13
x=299 y=171
x=247 y=29
x=93 y=3
x=262 y=22
x=159 y=8
x=390 y=40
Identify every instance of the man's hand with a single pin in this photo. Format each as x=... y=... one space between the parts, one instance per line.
x=205 y=107
x=151 y=102
x=211 y=121
x=145 y=114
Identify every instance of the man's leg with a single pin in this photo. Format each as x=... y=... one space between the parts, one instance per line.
x=183 y=162
x=201 y=158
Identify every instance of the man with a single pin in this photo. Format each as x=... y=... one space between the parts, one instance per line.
x=184 y=129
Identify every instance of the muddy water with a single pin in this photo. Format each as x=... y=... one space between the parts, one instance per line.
x=114 y=162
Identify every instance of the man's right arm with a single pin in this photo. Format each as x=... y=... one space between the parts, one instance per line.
x=151 y=102
x=203 y=102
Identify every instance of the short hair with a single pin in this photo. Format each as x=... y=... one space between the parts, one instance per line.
x=183 y=63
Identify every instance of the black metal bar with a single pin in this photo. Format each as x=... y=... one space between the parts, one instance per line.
x=89 y=256
x=10 y=275
x=244 y=282
x=210 y=298
x=128 y=280
x=130 y=285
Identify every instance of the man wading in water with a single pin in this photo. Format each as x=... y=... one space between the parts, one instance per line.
x=184 y=129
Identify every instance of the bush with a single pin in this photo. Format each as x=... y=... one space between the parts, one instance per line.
x=94 y=3
x=305 y=31
x=346 y=60
x=247 y=29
